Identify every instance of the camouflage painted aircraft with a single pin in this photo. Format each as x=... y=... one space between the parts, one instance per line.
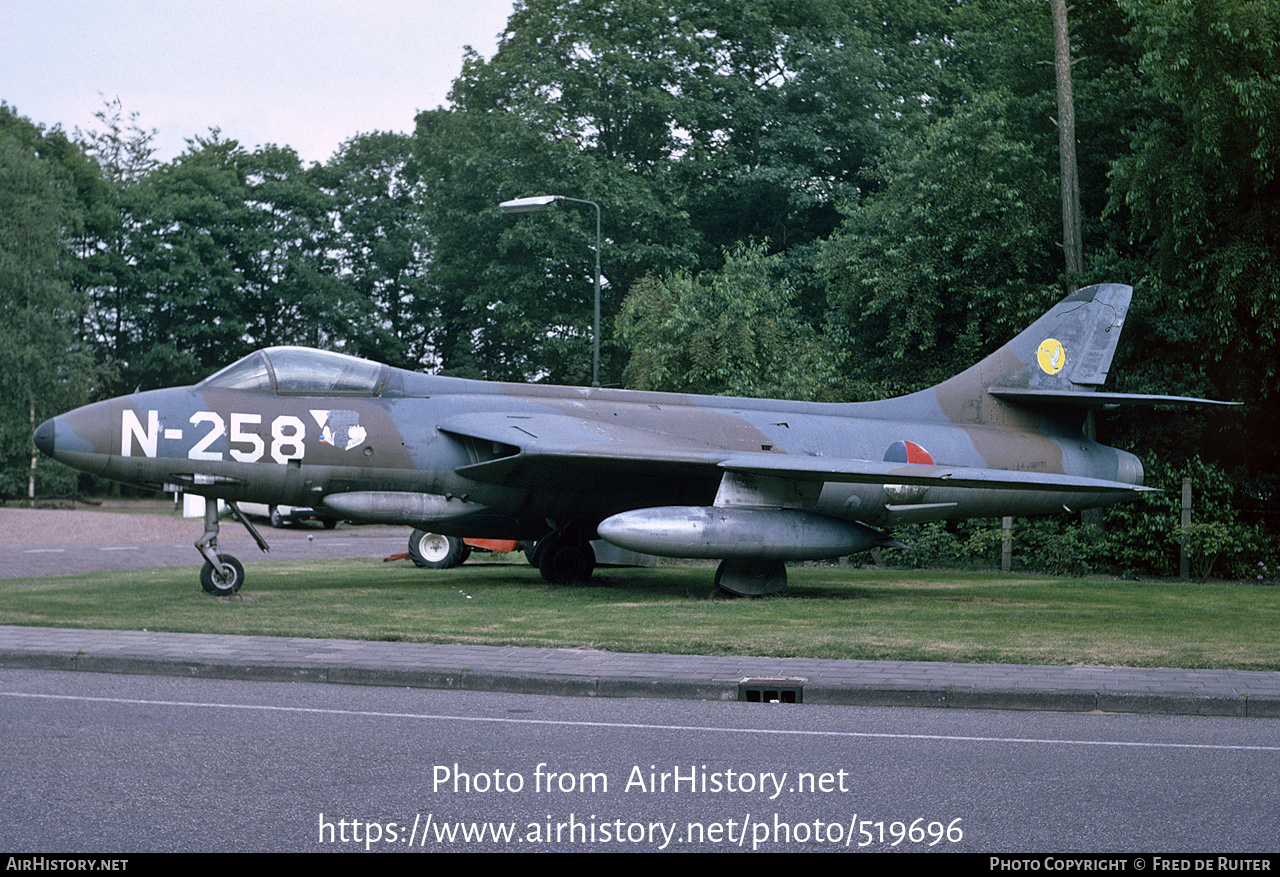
x=751 y=482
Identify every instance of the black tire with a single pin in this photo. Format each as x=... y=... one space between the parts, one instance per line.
x=226 y=584
x=434 y=551
x=570 y=564
x=277 y=519
x=329 y=523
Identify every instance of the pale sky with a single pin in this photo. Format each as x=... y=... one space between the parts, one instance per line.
x=302 y=73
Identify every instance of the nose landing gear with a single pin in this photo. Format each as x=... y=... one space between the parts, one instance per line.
x=222 y=574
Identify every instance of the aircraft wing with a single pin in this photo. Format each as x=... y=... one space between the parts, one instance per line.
x=542 y=448
x=873 y=472
x=555 y=446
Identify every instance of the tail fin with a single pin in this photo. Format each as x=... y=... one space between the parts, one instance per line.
x=1059 y=362
x=1062 y=357
x=1071 y=346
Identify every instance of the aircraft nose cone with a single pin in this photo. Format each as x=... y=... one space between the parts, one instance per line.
x=44 y=437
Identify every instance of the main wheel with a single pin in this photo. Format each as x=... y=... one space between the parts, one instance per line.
x=567 y=564
x=277 y=519
x=226 y=584
x=434 y=551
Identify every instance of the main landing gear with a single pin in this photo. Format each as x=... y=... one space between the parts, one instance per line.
x=222 y=575
x=565 y=557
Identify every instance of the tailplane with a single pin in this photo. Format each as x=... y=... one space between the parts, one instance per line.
x=1059 y=361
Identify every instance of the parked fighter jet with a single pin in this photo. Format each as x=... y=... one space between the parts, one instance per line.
x=752 y=482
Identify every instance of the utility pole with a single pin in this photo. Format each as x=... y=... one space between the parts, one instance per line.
x=1072 y=240
x=1072 y=237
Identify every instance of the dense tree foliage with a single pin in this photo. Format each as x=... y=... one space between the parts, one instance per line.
x=45 y=366
x=959 y=246
x=696 y=126
x=1200 y=189
x=735 y=331
x=382 y=246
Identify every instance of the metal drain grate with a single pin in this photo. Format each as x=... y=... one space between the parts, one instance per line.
x=771 y=691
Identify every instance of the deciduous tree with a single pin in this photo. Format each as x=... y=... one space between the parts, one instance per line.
x=736 y=331
x=45 y=366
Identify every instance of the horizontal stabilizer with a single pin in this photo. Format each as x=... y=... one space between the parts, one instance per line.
x=1091 y=399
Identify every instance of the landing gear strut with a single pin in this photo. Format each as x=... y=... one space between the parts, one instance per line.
x=222 y=575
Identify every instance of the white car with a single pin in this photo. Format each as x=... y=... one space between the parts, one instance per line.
x=281 y=515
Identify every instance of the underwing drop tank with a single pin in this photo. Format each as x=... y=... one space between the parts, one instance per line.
x=712 y=532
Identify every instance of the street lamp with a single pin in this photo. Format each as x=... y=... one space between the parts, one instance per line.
x=542 y=202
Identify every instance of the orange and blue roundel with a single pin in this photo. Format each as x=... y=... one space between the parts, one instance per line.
x=907 y=452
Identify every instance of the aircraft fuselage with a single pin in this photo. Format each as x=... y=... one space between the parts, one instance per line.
x=245 y=445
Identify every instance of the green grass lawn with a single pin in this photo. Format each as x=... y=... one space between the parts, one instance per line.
x=827 y=612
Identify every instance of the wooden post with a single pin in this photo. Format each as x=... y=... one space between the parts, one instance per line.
x=1184 y=563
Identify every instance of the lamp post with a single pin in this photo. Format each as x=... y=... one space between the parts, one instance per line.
x=540 y=203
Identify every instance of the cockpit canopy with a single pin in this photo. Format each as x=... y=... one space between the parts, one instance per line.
x=301 y=371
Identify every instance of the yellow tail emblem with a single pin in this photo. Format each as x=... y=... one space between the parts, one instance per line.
x=1051 y=356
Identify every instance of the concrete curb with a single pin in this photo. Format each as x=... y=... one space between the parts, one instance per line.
x=586 y=673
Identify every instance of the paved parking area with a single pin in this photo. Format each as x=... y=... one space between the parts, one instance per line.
x=47 y=542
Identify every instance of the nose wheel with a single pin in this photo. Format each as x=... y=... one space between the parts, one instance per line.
x=222 y=574
x=225 y=583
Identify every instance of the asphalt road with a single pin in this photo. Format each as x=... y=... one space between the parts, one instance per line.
x=113 y=764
